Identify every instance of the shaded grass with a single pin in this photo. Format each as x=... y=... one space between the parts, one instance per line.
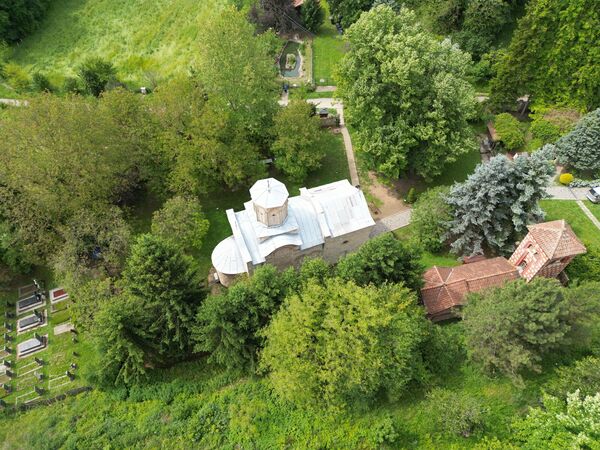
x=328 y=49
x=428 y=259
x=458 y=171
x=569 y=211
x=140 y=37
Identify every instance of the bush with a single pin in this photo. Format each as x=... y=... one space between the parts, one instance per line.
x=510 y=131
x=584 y=376
x=566 y=178
x=429 y=216
x=71 y=86
x=455 y=412
x=96 y=74
x=41 y=83
x=585 y=267
x=16 y=77
x=411 y=196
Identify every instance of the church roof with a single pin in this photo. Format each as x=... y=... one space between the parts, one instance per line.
x=331 y=210
x=269 y=193
x=556 y=239
x=446 y=287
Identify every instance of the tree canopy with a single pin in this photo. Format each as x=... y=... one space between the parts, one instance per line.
x=406 y=93
x=493 y=206
x=580 y=148
x=341 y=343
x=552 y=56
x=430 y=216
x=19 y=18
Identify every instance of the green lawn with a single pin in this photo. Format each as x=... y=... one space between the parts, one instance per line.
x=594 y=208
x=459 y=170
x=428 y=259
x=328 y=49
x=568 y=210
x=140 y=36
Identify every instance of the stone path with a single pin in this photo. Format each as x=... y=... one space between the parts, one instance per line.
x=63 y=328
x=330 y=103
x=391 y=223
x=325 y=88
x=13 y=102
x=285 y=99
x=566 y=193
x=588 y=213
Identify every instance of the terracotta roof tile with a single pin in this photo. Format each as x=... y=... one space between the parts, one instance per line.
x=556 y=239
x=446 y=287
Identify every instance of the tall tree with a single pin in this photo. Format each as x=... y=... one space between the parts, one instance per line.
x=580 y=148
x=510 y=328
x=166 y=283
x=341 y=343
x=299 y=140
x=430 y=216
x=406 y=93
x=279 y=15
x=228 y=326
x=181 y=222
x=493 y=206
x=552 y=57
x=312 y=15
x=383 y=259
x=346 y=12
x=18 y=18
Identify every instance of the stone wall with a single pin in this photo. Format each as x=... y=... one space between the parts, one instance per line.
x=338 y=247
x=291 y=256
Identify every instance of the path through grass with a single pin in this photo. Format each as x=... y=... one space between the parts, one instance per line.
x=328 y=48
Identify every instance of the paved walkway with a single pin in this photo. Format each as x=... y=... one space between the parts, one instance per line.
x=588 y=213
x=13 y=102
x=391 y=223
x=325 y=88
x=566 y=193
x=330 y=103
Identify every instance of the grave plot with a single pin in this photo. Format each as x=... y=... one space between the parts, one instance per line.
x=30 y=300
x=40 y=363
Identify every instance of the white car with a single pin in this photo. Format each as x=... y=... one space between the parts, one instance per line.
x=594 y=195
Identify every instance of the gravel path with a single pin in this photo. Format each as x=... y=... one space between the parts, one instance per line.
x=588 y=213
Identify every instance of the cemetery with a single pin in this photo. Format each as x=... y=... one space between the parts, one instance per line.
x=39 y=345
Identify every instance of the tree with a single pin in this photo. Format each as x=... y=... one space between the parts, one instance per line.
x=494 y=205
x=299 y=140
x=19 y=18
x=585 y=267
x=406 y=94
x=95 y=74
x=583 y=376
x=509 y=328
x=455 y=413
x=346 y=12
x=312 y=15
x=88 y=297
x=41 y=83
x=559 y=424
x=94 y=244
x=550 y=123
x=509 y=131
x=228 y=325
x=581 y=147
x=279 y=15
x=341 y=343
x=181 y=222
x=383 y=259
x=60 y=155
x=483 y=21
x=166 y=283
x=430 y=216
x=555 y=35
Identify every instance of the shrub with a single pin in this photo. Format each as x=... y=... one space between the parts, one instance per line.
x=510 y=131
x=71 y=86
x=429 y=216
x=95 y=74
x=584 y=376
x=566 y=178
x=411 y=196
x=41 y=83
x=16 y=77
x=455 y=412
x=585 y=267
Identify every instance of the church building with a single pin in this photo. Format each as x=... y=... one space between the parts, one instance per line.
x=328 y=221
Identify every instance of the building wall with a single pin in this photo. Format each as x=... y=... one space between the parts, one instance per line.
x=528 y=251
x=291 y=256
x=337 y=247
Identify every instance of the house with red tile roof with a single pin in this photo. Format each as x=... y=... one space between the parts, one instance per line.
x=546 y=250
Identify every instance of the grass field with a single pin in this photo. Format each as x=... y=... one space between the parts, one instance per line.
x=328 y=49
x=568 y=210
x=594 y=208
x=428 y=259
x=142 y=37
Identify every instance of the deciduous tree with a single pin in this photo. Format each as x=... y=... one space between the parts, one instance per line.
x=406 y=93
x=312 y=15
x=341 y=343
x=383 y=259
x=299 y=139
x=430 y=216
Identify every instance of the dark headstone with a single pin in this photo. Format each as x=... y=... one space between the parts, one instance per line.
x=6 y=388
x=39 y=376
x=75 y=354
x=73 y=330
x=8 y=326
x=2 y=403
x=38 y=390
x=74 y=340
x=7 y=363
x=10 y=374
x=7 y=337
x=39 y=361
x=73 y=366
x=70 y=375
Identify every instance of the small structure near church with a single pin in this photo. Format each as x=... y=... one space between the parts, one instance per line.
x=327 y=221
x=546 y=250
